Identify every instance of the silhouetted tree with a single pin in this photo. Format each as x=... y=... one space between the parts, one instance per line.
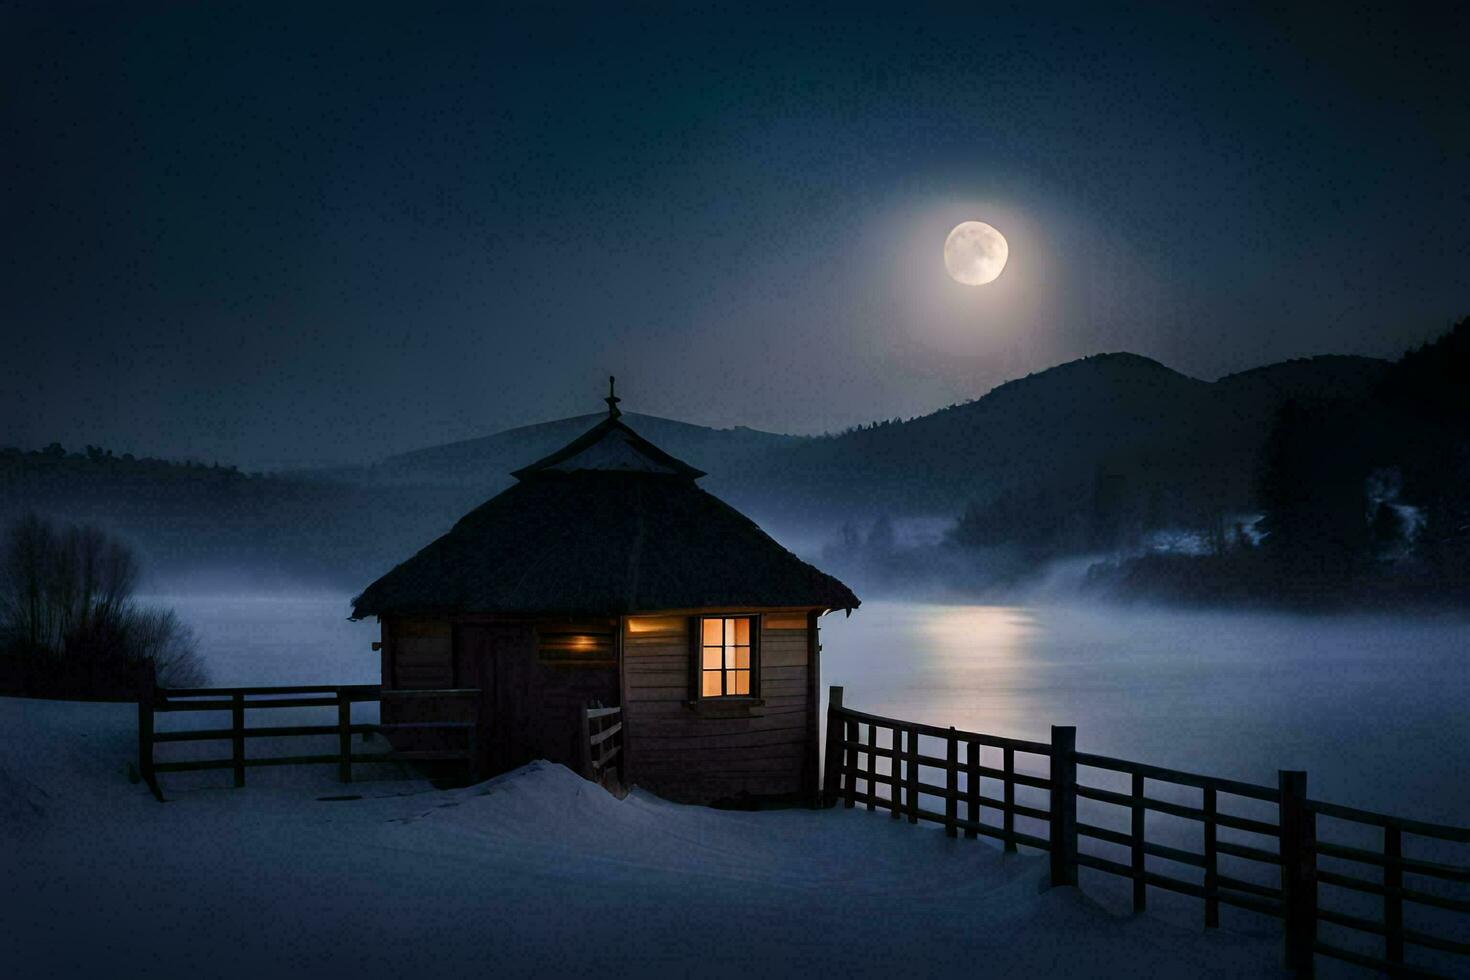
x=66 y=599
x=1312 y=489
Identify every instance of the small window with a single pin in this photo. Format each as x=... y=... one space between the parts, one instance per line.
x=727 y=657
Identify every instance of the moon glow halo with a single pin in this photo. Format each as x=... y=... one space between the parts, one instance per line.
x=975 y=253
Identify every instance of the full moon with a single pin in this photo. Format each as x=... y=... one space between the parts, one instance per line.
x=974 y=253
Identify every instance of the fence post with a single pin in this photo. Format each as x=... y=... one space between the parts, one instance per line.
x=832 y=759
x=344 y=736
x=147 y=693
x=972 y=788
x=1212 y=862
x=850 y=739
x=1140 y=886
x=895 y=773
x=1393 y=900
x=951 y=783
x=237 y=736
x=1008 y=756
x=1298 y=872
x=1063 y=805
x=872 y=766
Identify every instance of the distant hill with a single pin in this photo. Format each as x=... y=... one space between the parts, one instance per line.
x=1110 y=417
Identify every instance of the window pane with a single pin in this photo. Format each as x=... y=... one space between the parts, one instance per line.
x=711 y=658
x=742 y=658
x=729 y=657
x=729 y=631
x=740 y=681
x=742 y=632
x=712 y=637
x=711 y=688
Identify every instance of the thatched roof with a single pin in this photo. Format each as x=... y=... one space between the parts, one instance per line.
x=610 y=525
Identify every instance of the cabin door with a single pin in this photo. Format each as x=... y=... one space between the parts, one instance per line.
x=501 y=661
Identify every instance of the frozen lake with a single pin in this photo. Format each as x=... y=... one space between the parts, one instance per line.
x=1374 y=708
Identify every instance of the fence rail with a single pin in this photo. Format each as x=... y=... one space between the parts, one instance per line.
x=238 y=700
x=602 y=743
x=861 y=746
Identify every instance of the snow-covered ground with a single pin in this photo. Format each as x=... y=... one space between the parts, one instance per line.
x=534 y=872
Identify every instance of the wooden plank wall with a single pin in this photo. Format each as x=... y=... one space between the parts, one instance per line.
x=672 y=750
x=417 y=656
x=423 y=655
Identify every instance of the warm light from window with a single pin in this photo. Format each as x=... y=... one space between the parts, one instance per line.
x=725 y=666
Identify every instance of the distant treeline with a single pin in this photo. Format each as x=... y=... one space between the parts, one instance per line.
x=192 y=522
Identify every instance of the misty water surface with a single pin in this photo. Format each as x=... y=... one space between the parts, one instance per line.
x=1373 y=708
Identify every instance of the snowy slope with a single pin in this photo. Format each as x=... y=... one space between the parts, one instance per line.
x=534 y=872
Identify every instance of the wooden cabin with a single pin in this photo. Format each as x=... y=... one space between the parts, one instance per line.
x=605 y=574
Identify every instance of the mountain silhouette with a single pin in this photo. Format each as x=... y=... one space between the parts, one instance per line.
x=1117 y=416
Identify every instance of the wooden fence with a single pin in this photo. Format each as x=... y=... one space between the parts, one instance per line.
x=857 y=741
x=602 y=743
x=238 y=700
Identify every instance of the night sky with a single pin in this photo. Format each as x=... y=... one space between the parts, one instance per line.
x=276 y=236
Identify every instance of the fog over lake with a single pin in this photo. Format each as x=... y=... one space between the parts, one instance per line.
x=1374 y=708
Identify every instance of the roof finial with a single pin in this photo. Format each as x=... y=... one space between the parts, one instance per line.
x=612 y=398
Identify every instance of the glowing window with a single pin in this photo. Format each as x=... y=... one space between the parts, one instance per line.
x=726 y=656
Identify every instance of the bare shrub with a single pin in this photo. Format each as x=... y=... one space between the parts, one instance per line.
x=157 y=635
x=67 y=613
